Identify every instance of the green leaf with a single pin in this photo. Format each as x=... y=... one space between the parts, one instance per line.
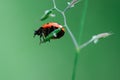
x=47 y=14
x=52 y=34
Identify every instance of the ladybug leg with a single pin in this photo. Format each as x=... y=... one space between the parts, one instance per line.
x=42 y=35
x=42 y=38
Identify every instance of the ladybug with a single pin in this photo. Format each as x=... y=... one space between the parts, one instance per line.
x=51 y=30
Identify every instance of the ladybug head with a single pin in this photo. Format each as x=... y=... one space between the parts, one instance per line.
x=37 y=32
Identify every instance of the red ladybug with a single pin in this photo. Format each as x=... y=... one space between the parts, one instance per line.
x=47 y=28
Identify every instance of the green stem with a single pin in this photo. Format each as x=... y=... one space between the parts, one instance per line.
x=75 y=66
x=83 y=19
x=80 y=35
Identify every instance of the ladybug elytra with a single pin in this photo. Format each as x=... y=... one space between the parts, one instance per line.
x=51 y=30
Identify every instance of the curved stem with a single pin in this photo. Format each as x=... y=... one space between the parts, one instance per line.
x=72 y=3
x=85 y=44
x=65 y=24
x=69 y=31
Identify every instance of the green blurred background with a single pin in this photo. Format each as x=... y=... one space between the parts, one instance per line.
x=22 y=58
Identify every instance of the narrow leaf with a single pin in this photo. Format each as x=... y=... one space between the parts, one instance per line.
x=47 y=14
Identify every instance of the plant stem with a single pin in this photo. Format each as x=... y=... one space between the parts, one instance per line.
x=86 y=43
x=83 y=19
x=72 y=3
x=75 y=66
x=80 y=35
x=65 y=24
x=69 y=31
